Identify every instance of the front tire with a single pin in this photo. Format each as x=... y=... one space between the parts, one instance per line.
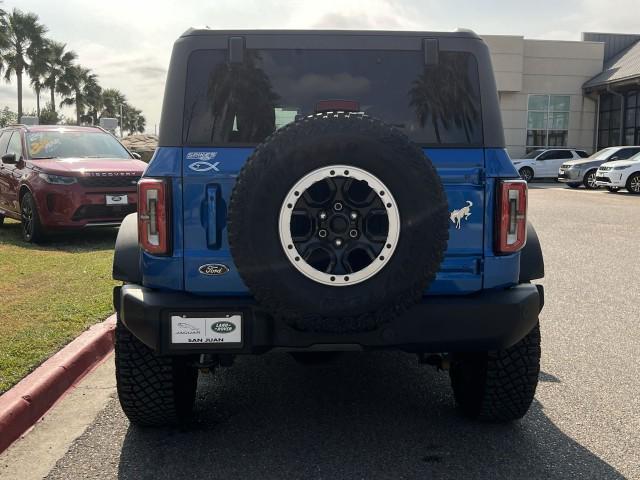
x=153 y=390
x=497 y=386
x=589 y=180
x=32 y=229
x=633 y=184
x=526 y=174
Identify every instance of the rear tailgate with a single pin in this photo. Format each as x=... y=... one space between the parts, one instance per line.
x=209 y=175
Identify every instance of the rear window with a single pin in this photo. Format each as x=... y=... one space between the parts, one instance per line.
x=243 y=103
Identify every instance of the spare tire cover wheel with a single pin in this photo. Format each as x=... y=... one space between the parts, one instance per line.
x=338 y=223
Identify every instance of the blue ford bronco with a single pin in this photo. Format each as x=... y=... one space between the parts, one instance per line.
x=322 y=191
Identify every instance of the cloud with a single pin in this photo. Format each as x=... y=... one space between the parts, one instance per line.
x=128 y=43
x=336 y=20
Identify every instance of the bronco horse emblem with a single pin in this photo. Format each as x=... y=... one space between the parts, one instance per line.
x=462 y=213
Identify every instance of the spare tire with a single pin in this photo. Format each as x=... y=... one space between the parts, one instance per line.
x=338 y=223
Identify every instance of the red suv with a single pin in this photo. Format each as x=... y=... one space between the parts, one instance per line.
x=54 y=177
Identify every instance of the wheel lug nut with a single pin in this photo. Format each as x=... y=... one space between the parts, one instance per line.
x=337 y=206
x=353 y=215
x=322 y=233
x=353 y=233
x=338 y=242
x=323 y=215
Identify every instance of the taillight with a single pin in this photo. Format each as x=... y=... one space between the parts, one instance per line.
x=511 y=222
x=153 y=216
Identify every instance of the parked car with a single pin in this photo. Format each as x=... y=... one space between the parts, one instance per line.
x=277 y=218
x=54 y=177
x=583 y=172
x=544 y=162
x=620 y=174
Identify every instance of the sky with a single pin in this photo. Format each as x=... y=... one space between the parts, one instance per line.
x=128 y=42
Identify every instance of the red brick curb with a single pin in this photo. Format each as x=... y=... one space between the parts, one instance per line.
x=24 y=404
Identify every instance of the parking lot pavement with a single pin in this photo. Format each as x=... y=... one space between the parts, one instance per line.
x=382 y=415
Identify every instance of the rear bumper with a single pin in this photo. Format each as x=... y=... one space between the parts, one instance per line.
x=489 y=320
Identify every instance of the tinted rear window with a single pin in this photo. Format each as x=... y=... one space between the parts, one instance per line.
x=243 y=103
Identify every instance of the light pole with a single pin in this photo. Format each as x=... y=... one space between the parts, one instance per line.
x=121 y=122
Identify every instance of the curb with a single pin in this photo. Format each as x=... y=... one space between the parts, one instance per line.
x=28 y=401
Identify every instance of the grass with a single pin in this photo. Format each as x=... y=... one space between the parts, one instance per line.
x=49 y=294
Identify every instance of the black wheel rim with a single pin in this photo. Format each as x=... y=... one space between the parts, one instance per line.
x=27 y=219
x=339 y=225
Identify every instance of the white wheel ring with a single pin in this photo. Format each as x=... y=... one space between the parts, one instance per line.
x=383 y=257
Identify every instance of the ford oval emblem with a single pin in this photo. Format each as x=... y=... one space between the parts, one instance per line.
x=213 y=269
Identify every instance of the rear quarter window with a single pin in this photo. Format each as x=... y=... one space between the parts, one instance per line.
x=243 y=103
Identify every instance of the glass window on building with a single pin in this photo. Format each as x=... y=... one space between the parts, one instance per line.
x=609 y=120
x=632 y=118
x=547 y=121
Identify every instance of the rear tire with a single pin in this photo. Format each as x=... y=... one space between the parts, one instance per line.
x=526 y=174
x=153 y=390
x=613 y=189
x=573 y=185
x=497 y=386
x=589 y=180
x=32 y=229
x=633 y=184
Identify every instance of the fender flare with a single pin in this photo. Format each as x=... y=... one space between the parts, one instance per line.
x=531 y=261
x=127 y=254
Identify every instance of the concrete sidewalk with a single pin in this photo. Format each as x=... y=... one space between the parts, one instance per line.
x=34 y=455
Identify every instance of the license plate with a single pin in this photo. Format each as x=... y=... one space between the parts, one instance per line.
x=224 y=329
x=117 y=199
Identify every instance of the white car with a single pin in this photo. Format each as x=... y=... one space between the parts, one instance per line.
x=545 y=162
x=620 y=174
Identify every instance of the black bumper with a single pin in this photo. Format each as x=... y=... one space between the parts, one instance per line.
x=489 y=320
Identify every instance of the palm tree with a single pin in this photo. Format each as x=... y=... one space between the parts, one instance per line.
x=112 y=98
x=59 y=62
x=38 y=69
x=242 y=93
x=75 y=89
x=93 y=98
x=20 y=32
x=443 y=95
x=133 y=121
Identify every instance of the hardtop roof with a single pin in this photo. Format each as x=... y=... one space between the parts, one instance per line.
x=459 y=33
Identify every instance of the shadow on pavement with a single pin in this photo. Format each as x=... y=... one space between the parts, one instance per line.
x=378 y=415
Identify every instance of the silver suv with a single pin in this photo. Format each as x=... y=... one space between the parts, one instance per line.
x=583 y=171
x=544 y=162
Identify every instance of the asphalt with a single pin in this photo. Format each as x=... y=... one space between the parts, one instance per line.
x=383 y=415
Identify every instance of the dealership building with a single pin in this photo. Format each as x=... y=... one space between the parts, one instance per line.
x=583 y=94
